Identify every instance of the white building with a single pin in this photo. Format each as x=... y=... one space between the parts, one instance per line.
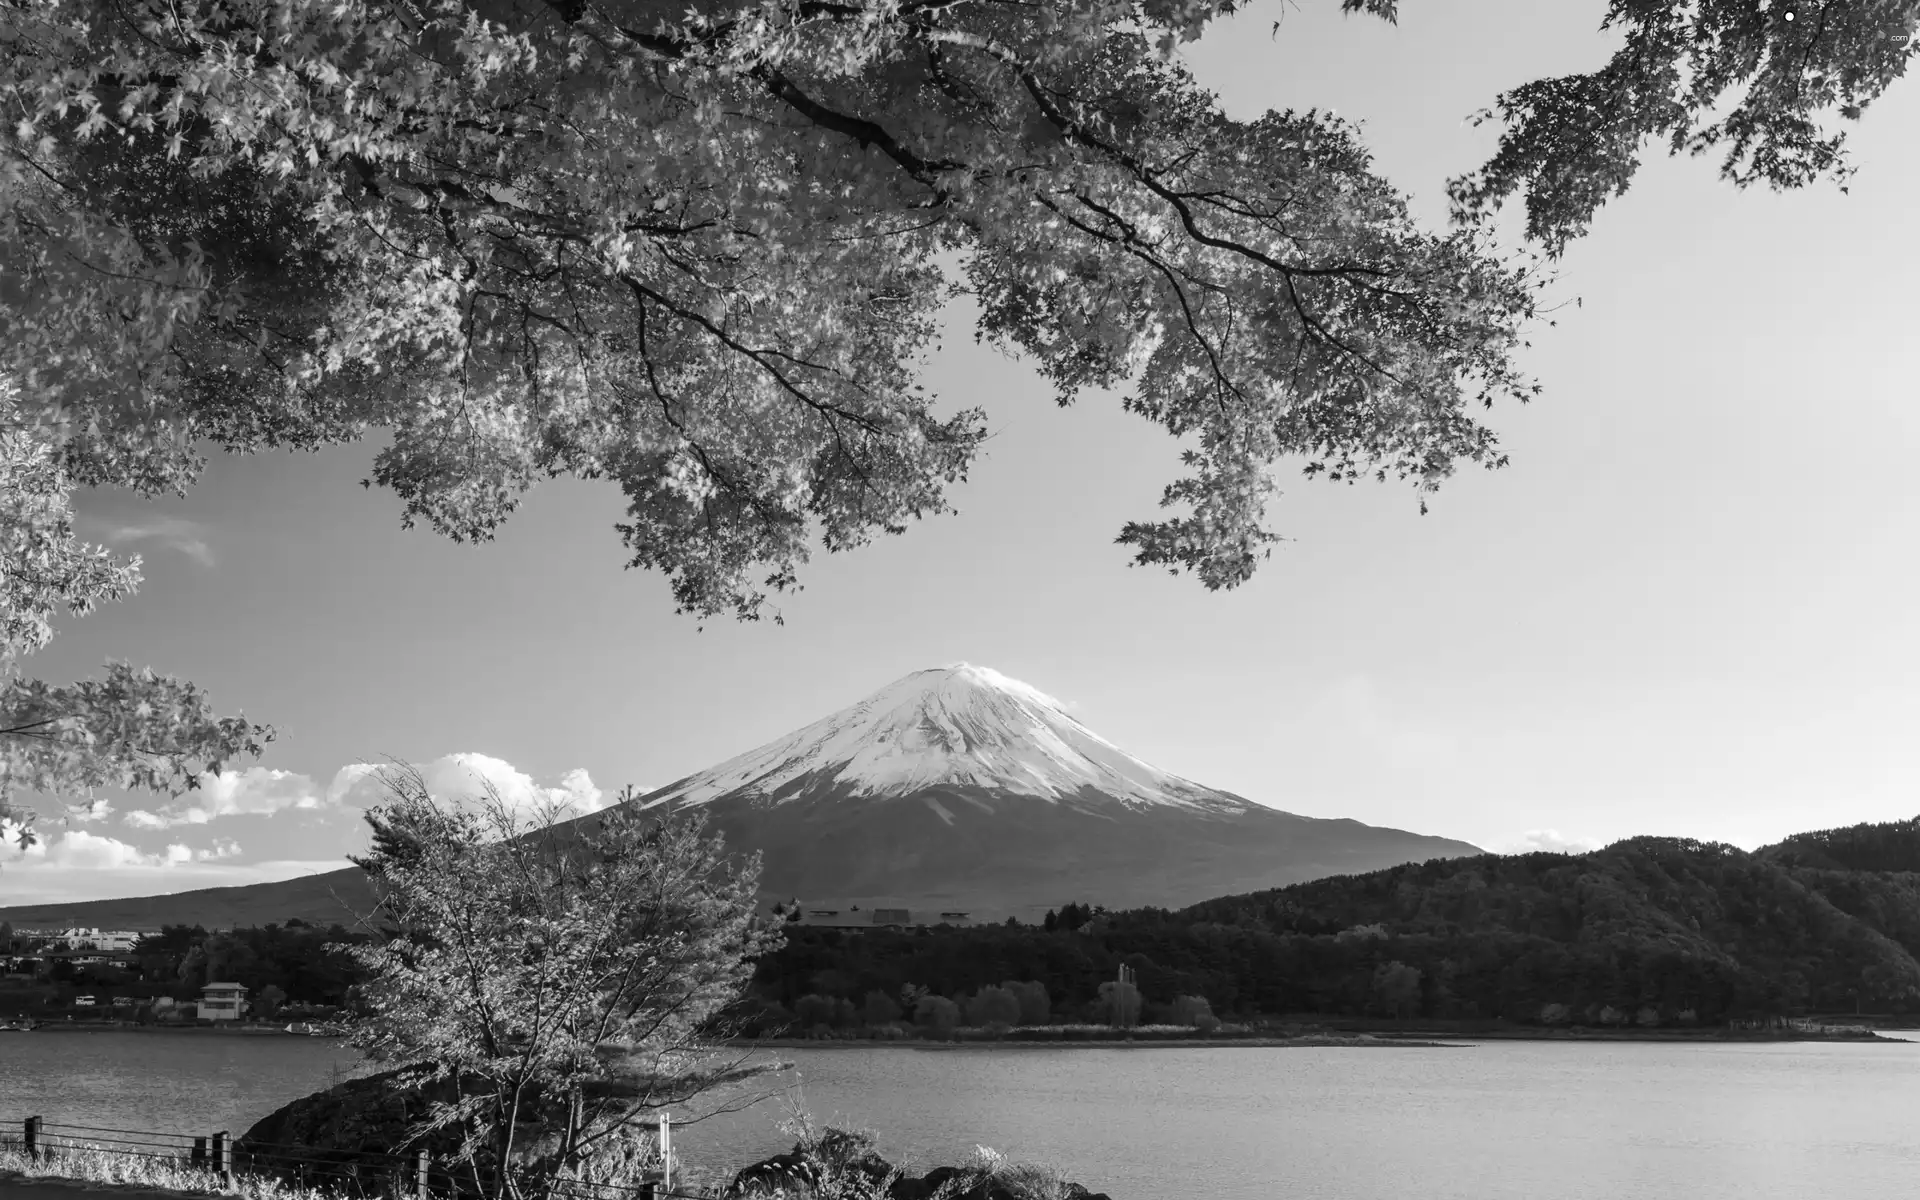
x=120 y=940
x=222 y=1002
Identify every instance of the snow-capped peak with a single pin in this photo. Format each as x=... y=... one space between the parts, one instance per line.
x=959 y=725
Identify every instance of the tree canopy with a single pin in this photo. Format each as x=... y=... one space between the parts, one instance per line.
x=132 y=728
x=559 y=979
x=702 y=250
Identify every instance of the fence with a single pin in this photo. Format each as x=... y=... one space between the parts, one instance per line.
x=214 y=1160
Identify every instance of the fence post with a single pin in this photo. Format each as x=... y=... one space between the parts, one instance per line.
x=666 y=1152
x=199 y=1156
x=647 y=1190
x=223 y=1157
x=33 y=1138
x=420 y=1175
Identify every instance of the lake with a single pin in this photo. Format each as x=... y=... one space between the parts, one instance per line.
x=1483 y=1121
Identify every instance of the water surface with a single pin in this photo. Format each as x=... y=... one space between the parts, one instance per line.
x=1490 y=1121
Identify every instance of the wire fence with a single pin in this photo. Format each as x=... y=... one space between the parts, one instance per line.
x=256 y=1168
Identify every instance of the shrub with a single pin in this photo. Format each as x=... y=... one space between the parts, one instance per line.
x=1035 y=1004
x=1194 y=1012
x=815 y=1011
x=936 y=1014
x=993 y=1006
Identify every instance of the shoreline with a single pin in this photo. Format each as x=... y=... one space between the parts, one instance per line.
x=1427 y=1038
x=1305 y=1040
x=1653 y=1035
x=1403 y=1038
x=196 y=1030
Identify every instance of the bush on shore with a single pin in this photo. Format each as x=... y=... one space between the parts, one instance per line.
x=830 y=1165
x=839 y=1164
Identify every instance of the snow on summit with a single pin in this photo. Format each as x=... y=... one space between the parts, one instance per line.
x=958 y=725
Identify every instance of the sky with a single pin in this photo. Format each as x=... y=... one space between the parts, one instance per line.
x=1685 y=609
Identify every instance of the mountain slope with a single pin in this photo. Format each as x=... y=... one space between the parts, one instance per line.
x=1639 y=911
x=959 y=787
x=955 y=787
x=960 y=726
x=1881 y=846
x=335 y=896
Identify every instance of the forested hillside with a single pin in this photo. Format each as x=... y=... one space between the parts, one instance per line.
x=1651 y=931
x=1889 y=846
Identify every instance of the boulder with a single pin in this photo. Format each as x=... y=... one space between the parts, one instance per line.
x=804 y=1168
x=356 y=1133
x=850 y=1158
x=966 y=1184
x=360 y=1136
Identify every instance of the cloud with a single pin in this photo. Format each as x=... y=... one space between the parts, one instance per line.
x=98 y=810
x=74 y=863
x=172 y=533
x=1552 y=841
x=78 y=850
x=254 y=791
x=77 y=866
x=463 y=776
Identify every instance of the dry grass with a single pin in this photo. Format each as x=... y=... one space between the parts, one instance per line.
x=829 y=1152
x=62 y=1159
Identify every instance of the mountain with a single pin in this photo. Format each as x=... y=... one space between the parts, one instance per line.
x=1648 y=931
x=953 y=788
x=958 y=787
x=323 y=899
x=1882 y=846
x=1644 y=916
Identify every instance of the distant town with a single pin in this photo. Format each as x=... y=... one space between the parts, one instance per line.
x=853 y=917
x=153 y=977
x=282 y=974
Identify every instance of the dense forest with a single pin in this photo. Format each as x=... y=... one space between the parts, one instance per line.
x=297 y=960
x=1649 y=931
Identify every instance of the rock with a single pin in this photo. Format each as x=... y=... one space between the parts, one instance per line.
x=356 y=1133
x=780 y=1175
x=358 y=1138
x=837 y=1153
x=973 y=1185
x=803 y=1170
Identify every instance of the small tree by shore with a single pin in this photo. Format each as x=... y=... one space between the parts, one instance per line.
x=548 y=984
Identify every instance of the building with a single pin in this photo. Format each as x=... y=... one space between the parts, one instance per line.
x=118 y=941
x=222 y=1002
x=881 y=918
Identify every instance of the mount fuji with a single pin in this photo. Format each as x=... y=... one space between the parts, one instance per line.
x=953 y=788
x=963 y=788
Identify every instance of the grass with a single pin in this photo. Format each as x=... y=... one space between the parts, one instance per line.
x=833 y=1173
x=62 y=1159
x=836 y=1166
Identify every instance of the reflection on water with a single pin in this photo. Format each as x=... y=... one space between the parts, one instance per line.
x=1495 y=1121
